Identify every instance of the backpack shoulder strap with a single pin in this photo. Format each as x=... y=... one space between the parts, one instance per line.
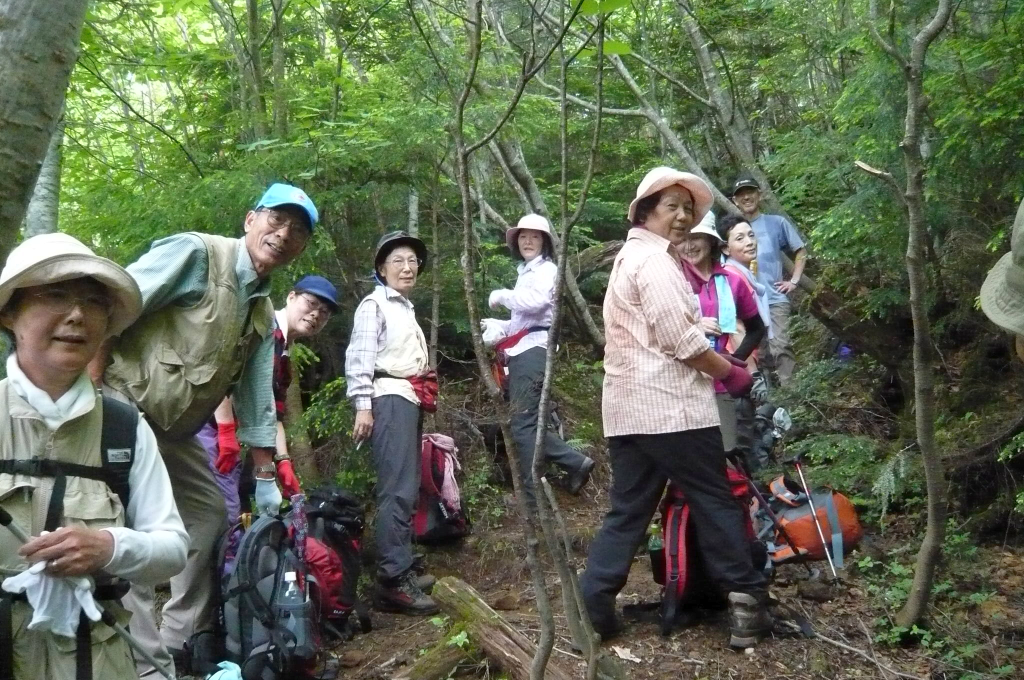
x=117 y=445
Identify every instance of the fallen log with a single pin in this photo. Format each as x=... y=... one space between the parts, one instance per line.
x=437 y=664
x=505 y=646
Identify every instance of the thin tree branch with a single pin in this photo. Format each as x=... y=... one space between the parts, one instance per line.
x=675 y=81
x=156 y=126
x=590 y=106
x=885 y=177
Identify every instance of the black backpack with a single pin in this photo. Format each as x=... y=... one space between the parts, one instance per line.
x=336 y=519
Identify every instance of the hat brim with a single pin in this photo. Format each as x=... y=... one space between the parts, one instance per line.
x=999 y=301
x=703 y=199
x=744 y=185
x=512 y=240
x=127 y=304
x=418 y=246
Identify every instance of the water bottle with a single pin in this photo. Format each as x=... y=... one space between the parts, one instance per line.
x=295 y=614
x=291 y=592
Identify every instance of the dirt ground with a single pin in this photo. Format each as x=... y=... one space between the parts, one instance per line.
x=493 y=561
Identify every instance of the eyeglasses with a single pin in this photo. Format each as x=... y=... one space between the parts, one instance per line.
x=402 y=263
x=279 y=220
x=61 y=302
x=315 y=304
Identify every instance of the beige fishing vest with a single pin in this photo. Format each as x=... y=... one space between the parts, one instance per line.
x=177 y=363
x=405 y=349
x=24 y=435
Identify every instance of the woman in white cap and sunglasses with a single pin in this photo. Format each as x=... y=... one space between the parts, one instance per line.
x=81 y=467
x=524 y=348
x=731 y=321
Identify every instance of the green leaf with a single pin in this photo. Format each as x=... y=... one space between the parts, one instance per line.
x=602 y=6
x=617 y=47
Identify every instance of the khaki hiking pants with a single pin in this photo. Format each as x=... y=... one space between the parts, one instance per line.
x=192 y=603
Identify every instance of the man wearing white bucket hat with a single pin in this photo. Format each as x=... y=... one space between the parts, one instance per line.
x=659 y=412
x=1002 y=294
x=523 y=350
x=206 y=330
x=109 y=511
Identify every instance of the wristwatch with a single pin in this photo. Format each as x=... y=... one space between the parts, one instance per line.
x=269 y=468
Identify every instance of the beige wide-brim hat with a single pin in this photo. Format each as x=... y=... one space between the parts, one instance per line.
x=52 y=258
x=531 y=221
x=662 y=178
x=706 y=226
x=1002 y=294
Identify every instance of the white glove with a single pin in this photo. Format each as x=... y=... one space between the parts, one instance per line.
x=56 y=602
x=494 y=330
x=268 y=497
x=494 y=301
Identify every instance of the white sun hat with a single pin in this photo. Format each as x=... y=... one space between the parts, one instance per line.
x=531 y=221
x=662 y=177
x=707 y=227
x=52 y=258
x=1002 y=294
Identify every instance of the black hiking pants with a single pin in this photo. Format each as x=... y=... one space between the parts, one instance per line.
x=641 y=466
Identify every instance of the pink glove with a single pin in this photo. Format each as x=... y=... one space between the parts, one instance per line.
x=287 y=479
x=738 y=382
x=227 y=448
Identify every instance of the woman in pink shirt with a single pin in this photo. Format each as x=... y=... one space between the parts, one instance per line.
x=727 y=309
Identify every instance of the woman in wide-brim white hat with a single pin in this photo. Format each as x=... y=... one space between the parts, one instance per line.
x=522 y=350
x=58 y=303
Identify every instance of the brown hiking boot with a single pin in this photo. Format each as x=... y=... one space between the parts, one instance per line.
x=749 y=620
x=403 y=595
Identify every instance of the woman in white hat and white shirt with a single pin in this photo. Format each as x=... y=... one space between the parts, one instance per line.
x=58 y=302
x=526 y=339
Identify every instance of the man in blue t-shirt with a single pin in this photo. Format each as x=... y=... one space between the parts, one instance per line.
x=774 y=234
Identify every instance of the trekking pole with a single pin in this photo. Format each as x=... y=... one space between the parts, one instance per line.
x=817 y=521
x=105 y=616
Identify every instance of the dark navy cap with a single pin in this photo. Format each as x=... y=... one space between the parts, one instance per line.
x=320 y=287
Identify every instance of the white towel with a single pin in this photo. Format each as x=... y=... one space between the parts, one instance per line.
x=56 y=602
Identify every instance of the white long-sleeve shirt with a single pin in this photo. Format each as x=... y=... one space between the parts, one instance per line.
x=531 y=302
x=154 y=544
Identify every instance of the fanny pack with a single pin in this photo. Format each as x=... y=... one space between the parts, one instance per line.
x=499 y=367
x=425 y=386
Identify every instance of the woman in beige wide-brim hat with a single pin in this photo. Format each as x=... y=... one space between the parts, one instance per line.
x=522 y=351
x=1002 y=294
x=58 y=302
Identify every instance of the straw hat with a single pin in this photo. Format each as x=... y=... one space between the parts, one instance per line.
x=52 y=258
x=1002 y=294
x=531 y=221
x=662 y=178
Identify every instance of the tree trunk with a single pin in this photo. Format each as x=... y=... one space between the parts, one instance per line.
x=501 y=641
x=277 y=64
x=258 y=89
x=38 y=49
x=435 y=276
x=439 y=663
x=299 y=447
x=41 y=217
x=924 y=390
x=414 y=213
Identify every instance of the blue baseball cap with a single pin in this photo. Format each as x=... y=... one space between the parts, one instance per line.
x=285 y=194
x=320 y=287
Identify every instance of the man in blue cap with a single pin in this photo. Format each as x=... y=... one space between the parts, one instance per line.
x=309 y=306
x=206 y=330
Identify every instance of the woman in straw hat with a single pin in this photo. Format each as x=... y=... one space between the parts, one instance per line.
x=659 y=413
x=58 y=303
x=731 y=321
x=524 y=349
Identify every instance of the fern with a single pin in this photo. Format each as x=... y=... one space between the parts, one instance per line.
x=887 y=483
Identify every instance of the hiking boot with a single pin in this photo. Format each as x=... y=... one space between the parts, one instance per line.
x=578 y=479
x=425 y=582
x=402 y=595
x=749 y=620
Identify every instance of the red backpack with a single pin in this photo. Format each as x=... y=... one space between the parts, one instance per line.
x=677 y=564
x=439 y=513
